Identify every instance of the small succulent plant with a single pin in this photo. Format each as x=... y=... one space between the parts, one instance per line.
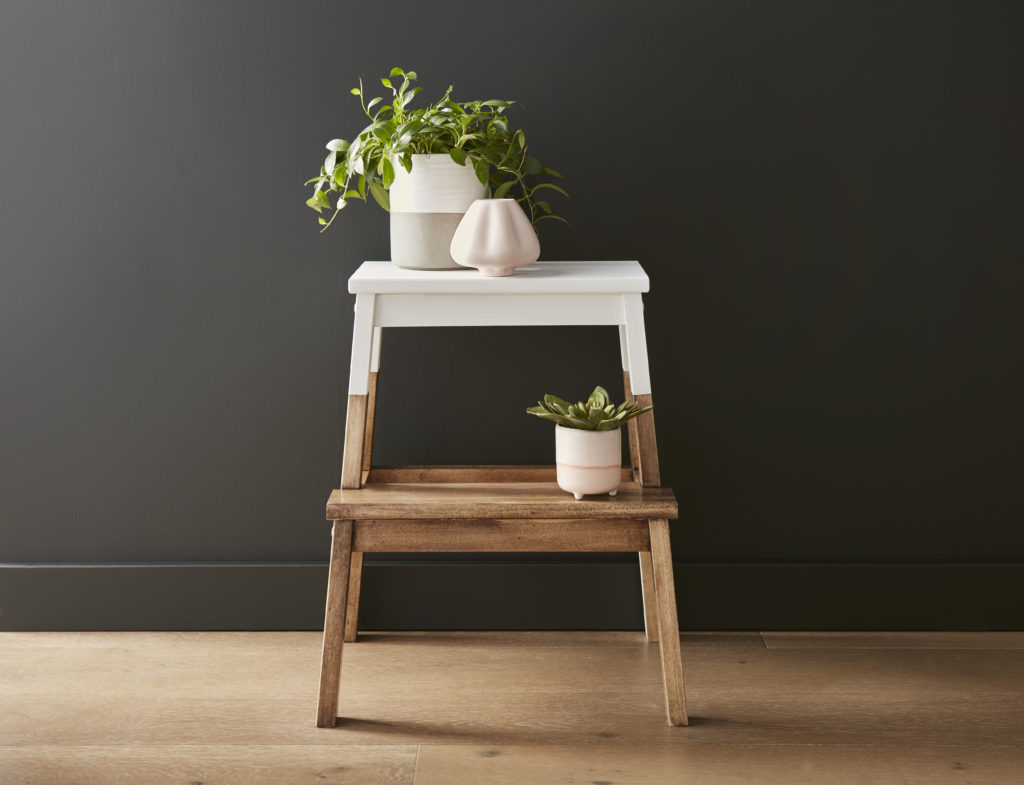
x=597 y=413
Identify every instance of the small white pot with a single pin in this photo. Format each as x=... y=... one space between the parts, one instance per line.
x=496 y=237
x=588 y=462
x=426 y=207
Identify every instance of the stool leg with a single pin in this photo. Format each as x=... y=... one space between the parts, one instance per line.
x=363 y=344
x=650 y=596
x=643 y=442
x=356 y=567
x=643 y=455
x=671 y=657
x=334 y=624
x=355 y=575
x=631 y=431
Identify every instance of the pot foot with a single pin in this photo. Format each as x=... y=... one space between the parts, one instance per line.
x=577 y=496
x=612 y=493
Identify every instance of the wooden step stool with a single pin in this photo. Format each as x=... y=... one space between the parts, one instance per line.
x=496 y=508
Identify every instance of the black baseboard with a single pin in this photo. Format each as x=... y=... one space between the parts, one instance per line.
x=519 y=595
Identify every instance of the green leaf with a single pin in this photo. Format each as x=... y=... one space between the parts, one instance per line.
x=386 y=83
x=490 y=154
x=361 y=185
x=337 y=145
x=545 y=415
x=543 y=206
x=380 y=194
x=582 y=423
x=598 y=399
x=549 y=399
x=356 y=91
x=458 y=155
x=552 y=186
x=595 y=416
x=373 y=103
x=322 y=221
x=407 y=162
x=396 y=71
x=321 y=199
x=531 y=165
x=312 y=202
x=481 y=167
x=556 y=217
x=607 y=425
x=409 y=96
x=503 y=189
x=339 y=172
x=387 y=172
x=521 y=138
x=411 y=75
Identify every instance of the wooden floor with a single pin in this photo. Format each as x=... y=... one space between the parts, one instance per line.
x=442 y=708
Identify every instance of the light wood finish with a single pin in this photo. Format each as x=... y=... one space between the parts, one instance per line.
x=523 y=536
x=894 y=640
x=212 y=764
x=650 y=468
x=371 y=416
x=495 y=500
x=480 y=473
x=355 y=575
x=352 y=457
x=334 y=624
x=668 y=623
x=234 y=707
x=650 y=595
x=355 y=583
x=632 y=432
x=714 y=764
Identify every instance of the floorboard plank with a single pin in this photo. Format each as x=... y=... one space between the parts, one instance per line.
x=251 y=764
x=894 y=640
x=715 y=764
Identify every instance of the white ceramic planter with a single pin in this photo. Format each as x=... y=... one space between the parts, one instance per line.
x=496 y=237
x=427 y=205
x=589 y=462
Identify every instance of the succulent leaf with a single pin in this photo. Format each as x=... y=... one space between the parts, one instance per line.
x=551 y=400
x=598 y=398
x=581 y=423
x=597 y=414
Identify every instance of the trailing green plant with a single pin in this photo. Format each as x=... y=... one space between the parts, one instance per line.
x=597 y=413
x=473 y=133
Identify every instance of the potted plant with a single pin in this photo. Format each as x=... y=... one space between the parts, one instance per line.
x=588 y=442
x=427 y=165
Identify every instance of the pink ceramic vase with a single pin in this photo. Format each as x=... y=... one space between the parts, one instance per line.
x=496 y=237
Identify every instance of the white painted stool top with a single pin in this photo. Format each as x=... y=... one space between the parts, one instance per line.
x=537 y=278
x=542 y=294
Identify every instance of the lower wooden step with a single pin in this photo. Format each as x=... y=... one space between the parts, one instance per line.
x=520 y=536
x=495 y=501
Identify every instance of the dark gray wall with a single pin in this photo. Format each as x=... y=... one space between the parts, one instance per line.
x=826 y=195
